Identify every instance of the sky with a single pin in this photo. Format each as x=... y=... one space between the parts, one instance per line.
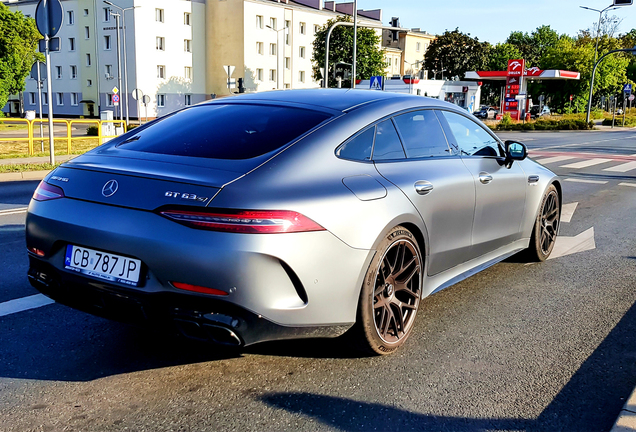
x=493 y=20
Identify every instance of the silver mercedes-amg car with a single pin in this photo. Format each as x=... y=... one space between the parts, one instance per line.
x=288 y=214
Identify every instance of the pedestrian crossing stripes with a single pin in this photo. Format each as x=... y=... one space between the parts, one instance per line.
x=622 y=167
x=554 y=159
x=573 y=161
x=586 y=163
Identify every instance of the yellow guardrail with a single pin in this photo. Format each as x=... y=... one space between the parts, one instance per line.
x=31 y=138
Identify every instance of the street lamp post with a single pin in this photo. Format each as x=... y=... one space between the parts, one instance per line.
x=598 y=28
x=117 y=16
x=123 y=13
x=589 y=102
x=277 y=55
x=355 y=43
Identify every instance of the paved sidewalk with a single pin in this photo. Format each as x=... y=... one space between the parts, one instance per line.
x=626 y=421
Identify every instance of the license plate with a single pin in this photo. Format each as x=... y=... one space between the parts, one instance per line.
x=102 y=265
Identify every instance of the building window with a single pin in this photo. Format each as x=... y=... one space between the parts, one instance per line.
x=45 y=98
x=301 y=76
x=88 y=59
x=272 y=49
x=396 y=62
x=31 y=98
x=186 y=18
x=259 y=74
x=187 y=73
x=161 y=100
x=272 y=74
x=272 y=23
x=59 y=98
x=161 y=71
x=287 y=86
x=109 y=71
x=316 y=28
x=89 y=83
x=418 y=46
x=87 y=32
x=188 y=100
x=73 y=72
x=159 y=15
x=71 y=44
x=302 y=52
x=107 y=44
x=259 y=21
x=85 y=12
x=58 y=72
x=259 y=47
x=287 y=32
x=70 y=17
x=106 y=14
x=303 y=28
x=160 y=43
x=287 y=63
x=74 y=99
x=187 y=45
x=109 y=99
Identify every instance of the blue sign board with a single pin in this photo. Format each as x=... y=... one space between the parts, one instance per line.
x=376 y=83
x=627 y=88
x=48 y=17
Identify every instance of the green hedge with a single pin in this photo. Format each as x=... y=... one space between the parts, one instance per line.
x=629 y=121
x=546 y=124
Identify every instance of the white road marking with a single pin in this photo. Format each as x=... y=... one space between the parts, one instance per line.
x=12 y=229
x=585 y=143
x=622 y=167
x=23 y=304
x=627 y=184
x=570 y=245
x=554 y=159
x=567 y=211
x=586 y=163
x=13 y=211
x=585 y=181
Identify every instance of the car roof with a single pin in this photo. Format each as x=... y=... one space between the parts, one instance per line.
x=335 y=99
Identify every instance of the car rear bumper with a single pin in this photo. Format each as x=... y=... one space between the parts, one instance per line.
x=203 y=319
x=300 y=283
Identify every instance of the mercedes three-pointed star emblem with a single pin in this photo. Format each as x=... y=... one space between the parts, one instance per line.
x=110 y=188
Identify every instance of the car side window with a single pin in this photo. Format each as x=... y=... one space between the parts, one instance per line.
x=422 y=134
x=470 y=137
x=387 y=142
x=359 y=147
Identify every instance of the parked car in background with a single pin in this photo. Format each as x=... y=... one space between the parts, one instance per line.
x=487 y=112
x=536 y=111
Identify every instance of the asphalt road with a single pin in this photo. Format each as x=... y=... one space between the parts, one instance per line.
x=540 y=347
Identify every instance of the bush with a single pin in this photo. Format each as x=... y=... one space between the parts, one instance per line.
x=92 y=131
x=629 y=121
x=545 y=124
x=131 y=126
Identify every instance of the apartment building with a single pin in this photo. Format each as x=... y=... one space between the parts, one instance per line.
x=176 y=51
x=409 y=50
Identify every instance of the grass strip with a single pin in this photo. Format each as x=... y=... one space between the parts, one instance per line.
x=28 y=167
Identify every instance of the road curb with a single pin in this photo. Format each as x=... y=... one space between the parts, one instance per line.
x=626 y=421
x=26 y=175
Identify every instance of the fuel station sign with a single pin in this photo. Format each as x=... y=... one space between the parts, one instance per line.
x=514 y=84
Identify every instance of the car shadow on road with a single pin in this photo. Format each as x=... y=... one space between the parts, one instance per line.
x=590 y=401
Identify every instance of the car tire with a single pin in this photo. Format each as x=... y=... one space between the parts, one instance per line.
x=546 y=226
x=390 y=295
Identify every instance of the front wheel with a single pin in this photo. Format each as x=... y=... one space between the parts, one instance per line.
x=391 y=294
x=546 y=226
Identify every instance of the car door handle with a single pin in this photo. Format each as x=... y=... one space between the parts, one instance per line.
x=485 y=178
x=423 y=187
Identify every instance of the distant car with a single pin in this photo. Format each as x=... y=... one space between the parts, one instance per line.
x=279 y=215
x=536 y=111
x=487 y=112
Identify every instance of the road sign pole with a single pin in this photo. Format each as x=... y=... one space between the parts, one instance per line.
x=40 y=82
x=50 y=97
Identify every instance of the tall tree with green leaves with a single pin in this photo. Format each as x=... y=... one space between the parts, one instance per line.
x=533 y=46
x=456 y=53
x=18 y=42
x=370 y=56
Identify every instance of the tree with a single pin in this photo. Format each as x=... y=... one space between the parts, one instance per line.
x=370 y=58
x=533 y=46
x=500 y=54
x=456 y=53
x=18 y=42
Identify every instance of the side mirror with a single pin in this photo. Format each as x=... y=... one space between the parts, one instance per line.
x=516 y=151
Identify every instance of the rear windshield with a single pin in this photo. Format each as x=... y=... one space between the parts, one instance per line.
x=225 y=131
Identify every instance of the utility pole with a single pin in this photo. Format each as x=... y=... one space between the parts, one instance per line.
x=355 y=42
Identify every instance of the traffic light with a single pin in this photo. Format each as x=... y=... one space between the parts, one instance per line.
x=623 y=2
x=395 y=22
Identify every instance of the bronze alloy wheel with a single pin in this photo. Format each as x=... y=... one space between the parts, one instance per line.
x=549 y=222
x=397 y=291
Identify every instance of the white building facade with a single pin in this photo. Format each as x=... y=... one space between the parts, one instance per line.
x=175 y=51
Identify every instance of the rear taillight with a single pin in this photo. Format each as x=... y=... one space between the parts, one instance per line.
x=198 y=289
x=45 y=192
x=245 y=221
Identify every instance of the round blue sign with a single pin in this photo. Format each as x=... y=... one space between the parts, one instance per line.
x=48 y=17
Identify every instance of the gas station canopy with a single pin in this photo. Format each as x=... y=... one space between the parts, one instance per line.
x=533 y=73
